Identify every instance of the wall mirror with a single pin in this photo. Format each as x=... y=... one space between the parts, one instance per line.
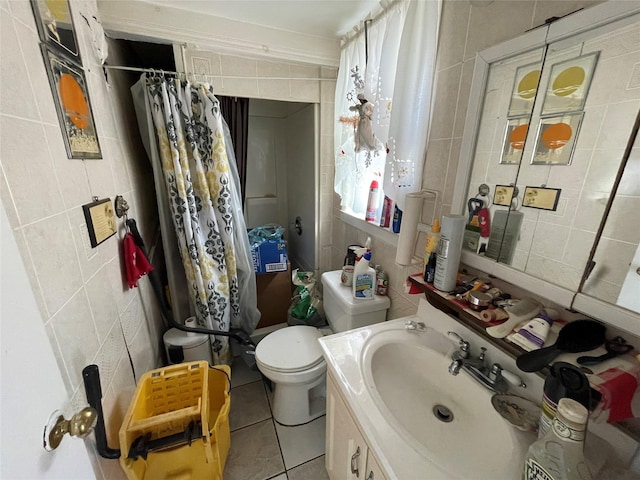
x=550 y=114
x=614 y=273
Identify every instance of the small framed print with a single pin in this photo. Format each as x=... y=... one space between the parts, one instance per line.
x=569 y=84
x=71 y=97
x=542 y=198
x=556 y=139
x=515 y=137
x=55 y=25
x=503 y=194
x=101 y=220
x=525 y=87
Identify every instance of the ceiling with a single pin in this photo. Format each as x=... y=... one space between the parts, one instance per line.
x=324 y=18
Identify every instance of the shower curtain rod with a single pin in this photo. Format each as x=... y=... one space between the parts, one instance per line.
x=206 y=75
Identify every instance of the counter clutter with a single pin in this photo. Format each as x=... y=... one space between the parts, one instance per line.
x=533 y=333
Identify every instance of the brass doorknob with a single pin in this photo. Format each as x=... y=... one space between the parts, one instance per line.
x=80 y=425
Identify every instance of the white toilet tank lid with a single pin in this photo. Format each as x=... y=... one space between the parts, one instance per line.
x=331 y=280
x=291 y=349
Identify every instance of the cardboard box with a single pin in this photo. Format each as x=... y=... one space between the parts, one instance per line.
x=274 y=297
x=269 y=256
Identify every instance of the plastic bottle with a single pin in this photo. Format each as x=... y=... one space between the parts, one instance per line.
x=559 y=454
x=385 y=216
x=449 y=249
x=431 y=245
x=430 y=271
x=472 y=235
x=372 y=203
x=364 y=279
x=397 y=219
x=382 y=281
x=564 y=381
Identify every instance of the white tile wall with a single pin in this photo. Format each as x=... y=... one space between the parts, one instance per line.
x=80 y=290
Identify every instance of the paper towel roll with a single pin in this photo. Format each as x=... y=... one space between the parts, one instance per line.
x=409 y=228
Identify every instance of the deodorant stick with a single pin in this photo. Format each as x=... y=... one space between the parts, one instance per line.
x=449 y=248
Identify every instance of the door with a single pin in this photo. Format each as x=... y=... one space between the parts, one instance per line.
x=31 y=383
x=301 y=188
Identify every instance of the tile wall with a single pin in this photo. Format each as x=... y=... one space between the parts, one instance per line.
x=467 y=27
x=88 y=311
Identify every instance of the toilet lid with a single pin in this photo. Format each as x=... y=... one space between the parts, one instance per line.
x=290 y=349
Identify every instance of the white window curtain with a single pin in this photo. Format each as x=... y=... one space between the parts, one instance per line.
x=399 y=72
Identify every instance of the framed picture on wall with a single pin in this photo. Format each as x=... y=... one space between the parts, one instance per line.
x=556 y=139
x=71 y=97
x=569 y=84
x=514 y=139
x=55 y=25
x=525 y=87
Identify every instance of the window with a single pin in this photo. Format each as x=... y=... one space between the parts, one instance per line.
x=387 y=66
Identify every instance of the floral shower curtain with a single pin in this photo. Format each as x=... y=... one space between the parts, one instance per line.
x=204 y=194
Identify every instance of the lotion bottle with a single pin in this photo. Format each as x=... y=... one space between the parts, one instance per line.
x=364 y=279
x=449 y=250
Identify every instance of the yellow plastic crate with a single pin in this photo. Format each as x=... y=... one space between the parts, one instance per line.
x=166 y=400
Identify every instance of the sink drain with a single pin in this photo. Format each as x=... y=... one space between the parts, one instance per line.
x=443 y=414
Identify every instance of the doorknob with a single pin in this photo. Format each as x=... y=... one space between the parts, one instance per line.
x=80 y=425
x=298 y=225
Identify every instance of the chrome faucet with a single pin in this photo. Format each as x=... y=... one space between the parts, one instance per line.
x=414 y=326
x=493 y=377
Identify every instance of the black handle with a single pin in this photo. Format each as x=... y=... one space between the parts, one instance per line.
x=91 y=377
x=537 y=359
x=589 y=361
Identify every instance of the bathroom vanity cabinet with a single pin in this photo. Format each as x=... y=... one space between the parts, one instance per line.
x=348 y=455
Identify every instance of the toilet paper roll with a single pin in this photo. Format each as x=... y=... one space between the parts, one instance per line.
x=409 y=228
x=191 y=323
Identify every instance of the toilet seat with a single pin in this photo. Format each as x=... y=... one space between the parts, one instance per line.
x=291 y=349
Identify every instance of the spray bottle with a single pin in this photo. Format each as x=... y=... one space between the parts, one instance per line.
x=362 y=250
x=364 y=279
x=372 y=203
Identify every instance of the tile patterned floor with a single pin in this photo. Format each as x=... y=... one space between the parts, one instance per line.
x=261 y=448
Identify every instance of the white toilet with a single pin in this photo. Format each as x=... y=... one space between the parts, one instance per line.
x=292 y=358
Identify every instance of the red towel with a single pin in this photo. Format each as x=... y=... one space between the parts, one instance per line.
x=135 y=261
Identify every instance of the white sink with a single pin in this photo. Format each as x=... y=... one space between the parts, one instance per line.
x=392 y=378
x=447 y=419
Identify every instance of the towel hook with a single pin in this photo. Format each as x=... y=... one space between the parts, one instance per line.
x=122 y=207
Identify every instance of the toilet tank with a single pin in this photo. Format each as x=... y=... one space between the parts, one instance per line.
x=345 y=312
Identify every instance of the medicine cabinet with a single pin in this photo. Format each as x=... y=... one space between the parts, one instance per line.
x=549 y=124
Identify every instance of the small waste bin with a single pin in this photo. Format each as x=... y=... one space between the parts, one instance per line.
x=184 y=347
x=177 y=424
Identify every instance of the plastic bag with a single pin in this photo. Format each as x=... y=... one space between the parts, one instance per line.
x=271 y=231
x=306 y=302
